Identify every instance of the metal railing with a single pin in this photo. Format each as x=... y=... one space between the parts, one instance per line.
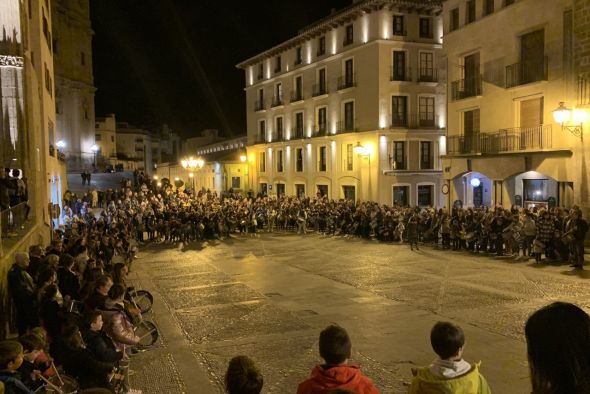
x=502 y=141
x=277 y=101
x=320 y=52
x=297 y=133
x=347 y=41
x=464 y=88
x=346 y=126
x=415 y=121
x=400 y=33
x=583 y=91
x=525 y=72
x=402 y=75
x=278 y=137
x=259 y=105
x=297 y=62
x=320 y=129
x=347 y=81
x=296 y=96
x=427 y=75
x=13 y=223
x=319 y=89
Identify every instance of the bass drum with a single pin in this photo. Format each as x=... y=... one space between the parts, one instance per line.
x=147 y=332
x=143 y=299
x=65 y=383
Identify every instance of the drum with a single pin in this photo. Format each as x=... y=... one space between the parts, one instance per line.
x=567 y=239
x=66 y=385
x=143 y=299
x=147 y=332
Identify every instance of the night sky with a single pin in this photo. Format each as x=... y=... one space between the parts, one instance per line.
x=173 y=61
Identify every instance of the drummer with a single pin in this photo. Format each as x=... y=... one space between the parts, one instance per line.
x=11 y=358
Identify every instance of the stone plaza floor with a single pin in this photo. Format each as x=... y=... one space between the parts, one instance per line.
x=269 y=297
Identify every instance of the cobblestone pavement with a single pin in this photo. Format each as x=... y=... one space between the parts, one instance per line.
x=270 y=296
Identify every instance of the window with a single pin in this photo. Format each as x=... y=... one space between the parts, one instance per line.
x=322 y=121
x=470 y=12
x=298 y=57
x=322 y=81
x=278 y=98
x=280 y=189
x=297 y=93
x=349 y=116
x=349 y=156
x=535 y=189
x=235 y=182
x=321 y=45
x=425 y=195
x=488 y=7
x=112 y=138
x=349 y=193
x=399 y=66
x=426 y=157
x=299 y=160
x=46 y=31
x=322 y=190
x=425 y=28
x=82 y=58
x=400 y=195
x=399 y=155
x=471 y=131
x=280 y=161
x=348 y=74
x=322 y=159
x=279 y=128
x=399 y=111
x=262 y=130
x=48 y=81
x=300 y=190
x=98 y=137
x=399 y=28
x=427 y=67
x=278 y=64
x=454 y=21
x=299 y=125
x=264 y=189
x=262 y=162
x=349 y=35
x=426 y=111
x=260 y=71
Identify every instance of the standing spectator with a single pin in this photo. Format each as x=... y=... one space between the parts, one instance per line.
x=558 y=347
x=335 y=349
x=4 y=191
x=22 y=289
x=69 y=283
x=580 y=228
x=412 y=232
x=545 y=232
x=35 y=258
x=83 y=175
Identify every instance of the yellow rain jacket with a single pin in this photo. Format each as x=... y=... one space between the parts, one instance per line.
x=470 y=383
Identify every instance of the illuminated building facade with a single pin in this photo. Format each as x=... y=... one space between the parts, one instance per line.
x=510 y=65
x=352 y=107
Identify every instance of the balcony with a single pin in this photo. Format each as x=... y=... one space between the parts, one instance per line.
x=513 y=140
x=401 y=33
x=320 y=52
x=319 y=90
x=347 y=81
x=296 y=96
x=526 y=72
x=465 y=88
x=298 y=62
x=297 y=133
x=259 y=77
x=427 y=75
x=277 y=69
x=415 y=121
x=279 y=137
x=346 y=126
x=260 y=139
x=259 y=105
x=347 y=41
x=277 y=101
x=401 y=75
x=320 y=130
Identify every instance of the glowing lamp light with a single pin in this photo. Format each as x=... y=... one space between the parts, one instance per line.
x=191 y=175
x=94 y=148
x=475 y=182
x=243 y=158
x=177 y=179
x=159 y=184
x=360 y=150
x=60 y=144
x=155 y=177
x=561 y=114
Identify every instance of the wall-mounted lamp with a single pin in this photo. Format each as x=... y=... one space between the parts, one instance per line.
x=60 y=144
x=562 y=115
x=361 y=150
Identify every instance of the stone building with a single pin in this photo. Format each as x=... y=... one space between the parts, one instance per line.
x=352 y=107
x=510 y=64
x=74 y=84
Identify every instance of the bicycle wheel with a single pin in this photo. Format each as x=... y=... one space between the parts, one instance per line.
x=143 y=299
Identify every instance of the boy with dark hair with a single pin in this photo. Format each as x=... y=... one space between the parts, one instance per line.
x=336 y=373
x=243 y=377
x=32 y=348
x=449 y=373
x=11 y=358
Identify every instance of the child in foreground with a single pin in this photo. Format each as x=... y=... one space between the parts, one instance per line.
x=449 y=373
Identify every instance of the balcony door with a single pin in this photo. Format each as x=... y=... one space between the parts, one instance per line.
x=471 y=130
x=322 y=81
x=399 y=66
x=471 y=74
x=399 y=111
x=532 y=56
x=348 y=72
x=322 y=120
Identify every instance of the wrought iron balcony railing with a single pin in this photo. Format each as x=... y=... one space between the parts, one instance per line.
x=464 y=88
x=319 y=89
x=525 y=72
x=427 y=75
x=400 y=74
x=415 y=121
x=347 y=81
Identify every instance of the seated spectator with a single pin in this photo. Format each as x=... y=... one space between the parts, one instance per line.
x=118 y=323
x=243 y=377
x=90 y=278
x=32 y=347
x=449 y=373
x=97 y=299
x=80 y=363
x=97 y=341
x=336 y=373
x=558 y=346
x=11 y=358
x=69 y=283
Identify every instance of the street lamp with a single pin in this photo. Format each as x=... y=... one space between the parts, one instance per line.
x=191 y=164
x=562 y=115
x=94 y=148
x=60 y=144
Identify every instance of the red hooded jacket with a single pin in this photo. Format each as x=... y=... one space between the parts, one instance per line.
x=343 y=376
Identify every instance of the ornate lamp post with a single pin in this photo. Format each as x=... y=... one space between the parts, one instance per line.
x=191 y=164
